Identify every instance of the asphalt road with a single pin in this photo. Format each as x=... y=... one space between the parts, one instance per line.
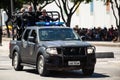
x=106 y=68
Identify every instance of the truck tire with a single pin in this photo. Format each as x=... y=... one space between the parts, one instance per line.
x=16 y=62
x=88 y=72
x=41 y=66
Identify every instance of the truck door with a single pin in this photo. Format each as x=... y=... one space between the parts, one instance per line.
x=32 y=47
x=24 y=45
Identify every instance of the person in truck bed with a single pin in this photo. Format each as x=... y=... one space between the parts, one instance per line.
x=45 y=18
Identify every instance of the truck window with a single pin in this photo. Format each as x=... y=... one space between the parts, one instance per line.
x=57 y=34
x=34 y=35
x=26 y=34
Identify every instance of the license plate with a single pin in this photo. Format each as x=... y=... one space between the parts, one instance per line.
x=70 y=63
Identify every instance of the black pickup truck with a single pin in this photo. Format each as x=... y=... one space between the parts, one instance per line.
x=49 y=48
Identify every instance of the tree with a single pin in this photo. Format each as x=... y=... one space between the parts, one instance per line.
x=42 y=3
x=68 y=7
x=115 y=6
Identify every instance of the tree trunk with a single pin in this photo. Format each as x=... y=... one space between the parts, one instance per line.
x=115 y=15
x=118 y=33
x=69 y=20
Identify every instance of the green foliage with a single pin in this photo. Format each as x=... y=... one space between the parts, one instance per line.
x=4 y=4
x=44 y=3
x=18 y=3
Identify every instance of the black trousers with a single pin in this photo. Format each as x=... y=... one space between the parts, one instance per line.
x=0 y=36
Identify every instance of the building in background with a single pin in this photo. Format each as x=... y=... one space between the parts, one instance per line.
x=94 y=14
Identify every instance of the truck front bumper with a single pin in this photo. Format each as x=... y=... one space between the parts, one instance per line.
x=56 y=62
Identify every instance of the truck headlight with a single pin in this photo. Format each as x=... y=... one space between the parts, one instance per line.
x=51 y=50
x=90 y=50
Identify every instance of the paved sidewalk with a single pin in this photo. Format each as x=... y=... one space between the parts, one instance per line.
x=6 y=39
x=105 y=43
x=4 y=49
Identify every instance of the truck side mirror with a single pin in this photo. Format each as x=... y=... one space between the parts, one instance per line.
x=83 y=38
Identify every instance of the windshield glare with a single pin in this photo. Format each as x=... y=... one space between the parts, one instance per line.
x=51 y=34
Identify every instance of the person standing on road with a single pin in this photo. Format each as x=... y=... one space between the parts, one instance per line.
x=0 y=28
x=0 y=36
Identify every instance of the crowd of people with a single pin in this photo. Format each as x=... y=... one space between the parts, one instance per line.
x=98 y=34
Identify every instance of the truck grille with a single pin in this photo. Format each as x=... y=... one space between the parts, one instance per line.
x=72 y=50
x=72 y=54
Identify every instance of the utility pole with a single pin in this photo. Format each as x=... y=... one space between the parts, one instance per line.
x=12 y=7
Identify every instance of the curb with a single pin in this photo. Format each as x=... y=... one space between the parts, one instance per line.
x=104 y=55
x=109 y=45
x=6 y=39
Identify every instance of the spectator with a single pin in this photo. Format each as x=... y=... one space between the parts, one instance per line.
x=76 y=28
x=98 y=34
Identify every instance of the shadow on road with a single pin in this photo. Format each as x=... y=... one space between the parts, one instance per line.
x=67 y=74
x=5 y=68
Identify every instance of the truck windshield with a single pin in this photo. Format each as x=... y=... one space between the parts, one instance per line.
x=51 y=34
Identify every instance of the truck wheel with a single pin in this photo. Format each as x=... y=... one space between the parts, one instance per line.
x=41 y=67
x=88 y=72
x=16 y=62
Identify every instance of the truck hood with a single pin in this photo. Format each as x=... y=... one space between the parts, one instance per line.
x=65 y=44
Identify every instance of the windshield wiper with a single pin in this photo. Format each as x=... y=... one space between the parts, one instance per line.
x=71 y=39
x=47 y=40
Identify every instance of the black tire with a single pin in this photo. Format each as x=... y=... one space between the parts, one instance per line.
x=16 y=62
x=41 y=66
x=88 y=72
